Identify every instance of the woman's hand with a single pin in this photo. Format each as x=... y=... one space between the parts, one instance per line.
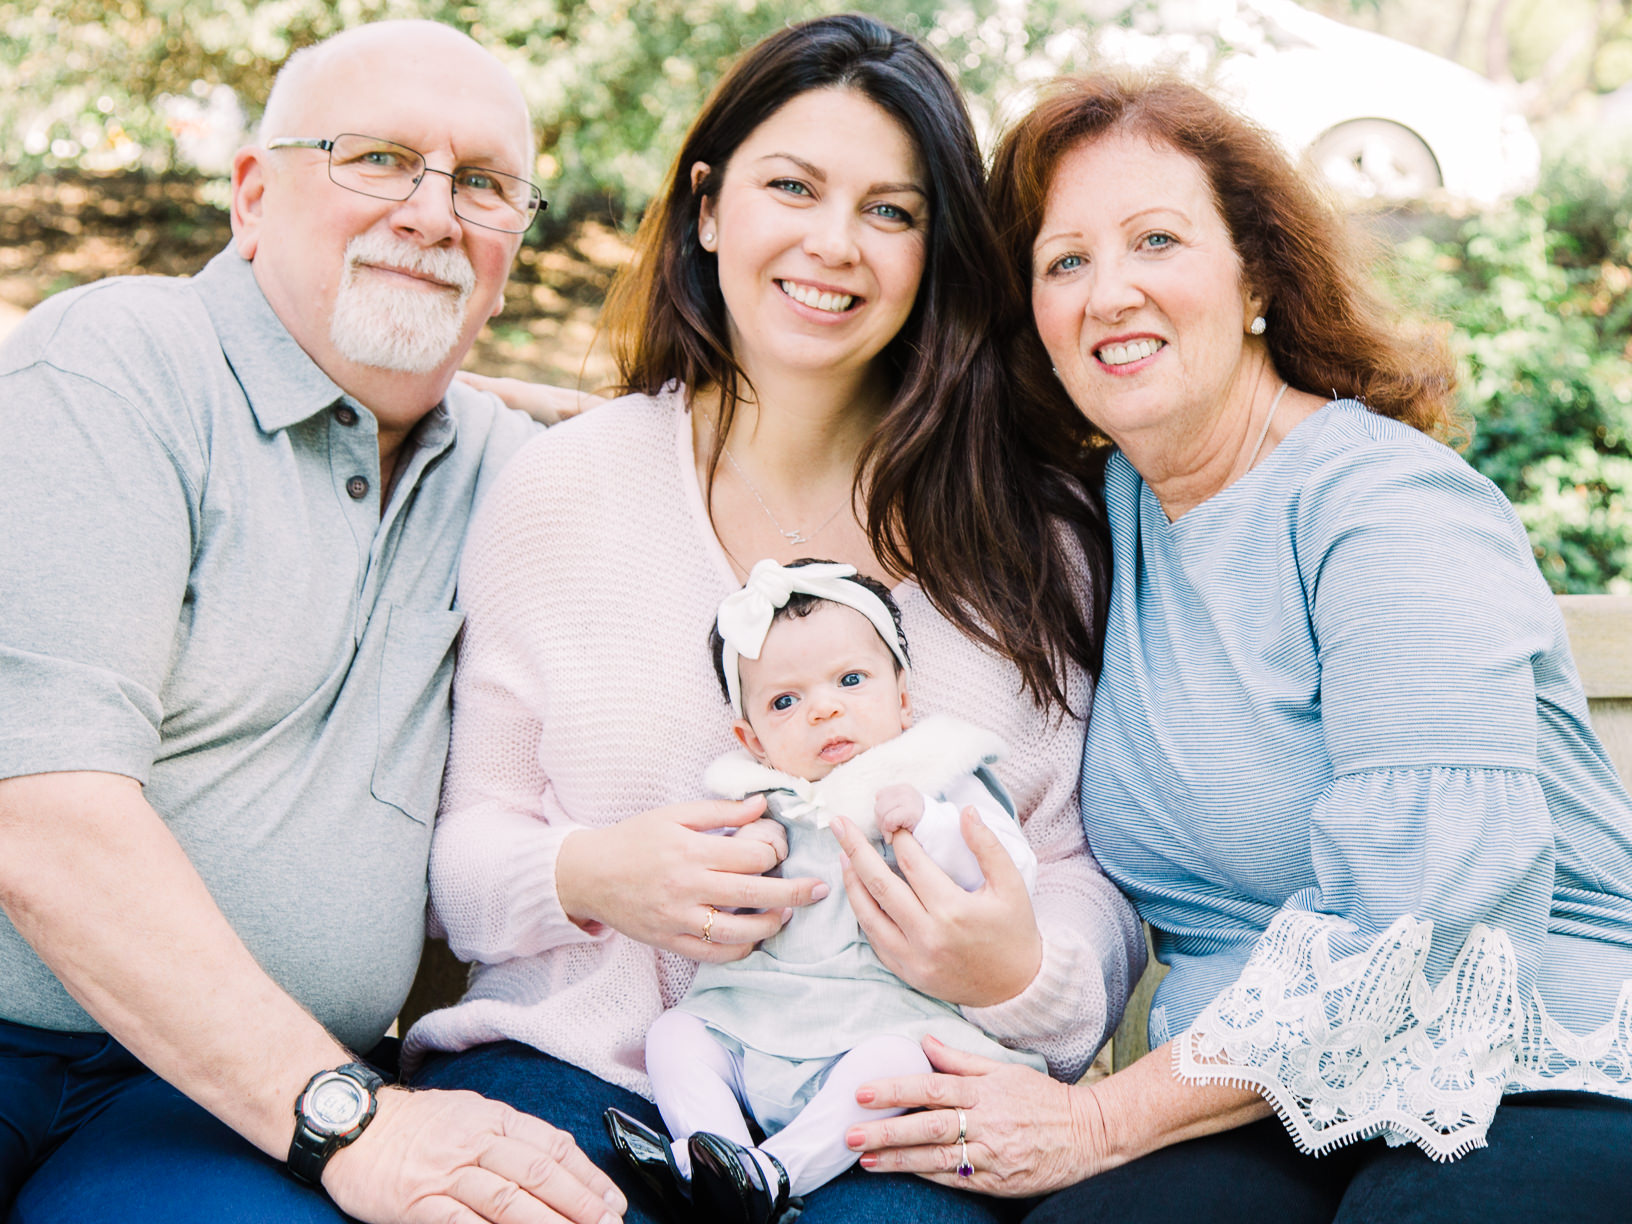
x=1028 y=1134
x=1024 y=1132
x=538 y=400
x=970 y=948
x=663 y=878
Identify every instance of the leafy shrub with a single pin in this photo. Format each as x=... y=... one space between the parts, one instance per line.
x=613 y=83
x=1539 y=298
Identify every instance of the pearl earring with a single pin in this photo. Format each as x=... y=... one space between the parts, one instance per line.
x=707 y=236
x=1258 y=326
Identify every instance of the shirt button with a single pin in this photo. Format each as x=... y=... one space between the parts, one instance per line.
x=357 y=486
x=346 y=415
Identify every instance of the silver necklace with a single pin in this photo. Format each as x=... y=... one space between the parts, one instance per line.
x=797 y=535
x=1264 y=432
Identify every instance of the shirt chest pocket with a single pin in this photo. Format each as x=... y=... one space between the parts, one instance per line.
x=416 y=672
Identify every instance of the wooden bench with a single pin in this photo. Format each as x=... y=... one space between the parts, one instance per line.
x=1600 y=628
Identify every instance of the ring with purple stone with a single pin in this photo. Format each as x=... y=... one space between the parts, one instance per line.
x=965 y=1169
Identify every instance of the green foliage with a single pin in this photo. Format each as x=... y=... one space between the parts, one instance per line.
x=1540 y=296
x=613 y=83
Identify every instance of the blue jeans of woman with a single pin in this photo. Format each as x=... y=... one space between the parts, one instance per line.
x=1552 y=1157
x=574 y=1100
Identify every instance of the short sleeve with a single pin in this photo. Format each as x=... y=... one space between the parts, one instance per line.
x=1382 y=1000
x=95 y=550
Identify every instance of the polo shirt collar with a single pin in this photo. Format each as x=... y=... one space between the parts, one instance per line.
x=282 y=383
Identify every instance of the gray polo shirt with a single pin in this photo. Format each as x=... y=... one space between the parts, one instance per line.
x=198 y=590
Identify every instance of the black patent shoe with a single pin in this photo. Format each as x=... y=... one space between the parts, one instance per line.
x=650 y=1156
x=728 y=1185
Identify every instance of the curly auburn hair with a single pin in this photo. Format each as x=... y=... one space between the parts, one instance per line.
x=1330 y=332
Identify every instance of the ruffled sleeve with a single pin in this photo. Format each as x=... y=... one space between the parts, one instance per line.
x=1384 y=999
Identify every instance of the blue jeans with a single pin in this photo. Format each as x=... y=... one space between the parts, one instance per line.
x=574 y=1100
x=1552 y=1156
x=88 y=1135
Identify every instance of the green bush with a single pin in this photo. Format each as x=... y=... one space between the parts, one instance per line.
x=1539 y=298
x=613 y=83
x=1540 y=294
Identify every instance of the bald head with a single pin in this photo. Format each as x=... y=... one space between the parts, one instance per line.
x=391 y=50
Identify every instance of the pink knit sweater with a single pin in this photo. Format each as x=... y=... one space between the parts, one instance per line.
x=585 y=694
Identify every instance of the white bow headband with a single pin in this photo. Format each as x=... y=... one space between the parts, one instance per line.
x=745 y=616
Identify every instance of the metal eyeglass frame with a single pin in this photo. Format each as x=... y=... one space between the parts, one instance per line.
x=536 y=197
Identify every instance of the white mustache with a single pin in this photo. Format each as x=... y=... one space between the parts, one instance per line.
x=446 y=264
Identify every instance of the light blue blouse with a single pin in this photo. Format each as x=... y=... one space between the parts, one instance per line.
x=1340 y=760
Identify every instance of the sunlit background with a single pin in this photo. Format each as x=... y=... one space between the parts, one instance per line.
x=1486 y=142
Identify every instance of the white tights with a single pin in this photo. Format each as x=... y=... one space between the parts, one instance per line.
x=698 y=1086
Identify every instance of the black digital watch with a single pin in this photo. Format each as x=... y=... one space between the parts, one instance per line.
x=331 y=1111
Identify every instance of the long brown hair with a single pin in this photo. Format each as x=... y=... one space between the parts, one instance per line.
x=1330 y=333
x=964 y=490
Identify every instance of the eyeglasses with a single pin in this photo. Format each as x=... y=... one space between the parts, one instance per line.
x=389 y=171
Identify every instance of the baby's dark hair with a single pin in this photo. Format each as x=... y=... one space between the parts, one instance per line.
x=801 y=604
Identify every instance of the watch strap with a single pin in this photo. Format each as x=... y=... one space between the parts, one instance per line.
x=311 y=1149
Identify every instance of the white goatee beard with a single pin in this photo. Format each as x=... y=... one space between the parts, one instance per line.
x=398 y=327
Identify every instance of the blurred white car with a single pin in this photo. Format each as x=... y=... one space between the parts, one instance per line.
x=1383 y=120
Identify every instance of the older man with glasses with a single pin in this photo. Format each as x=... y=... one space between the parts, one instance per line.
x=230 y=514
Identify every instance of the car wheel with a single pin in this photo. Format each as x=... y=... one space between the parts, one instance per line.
x=1373 y=159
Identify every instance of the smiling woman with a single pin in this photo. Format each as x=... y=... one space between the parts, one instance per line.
x=1340 y=757
x=819 y=252
x=806 y=336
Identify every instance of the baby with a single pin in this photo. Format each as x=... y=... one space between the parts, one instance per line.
x=814 y=663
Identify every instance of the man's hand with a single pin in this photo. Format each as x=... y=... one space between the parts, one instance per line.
x=898 y=809
x=459 y=1158
x=86 y=866
x=540 y=401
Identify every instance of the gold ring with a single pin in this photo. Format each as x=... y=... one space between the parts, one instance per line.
x=965 y=1169
x=708 y=925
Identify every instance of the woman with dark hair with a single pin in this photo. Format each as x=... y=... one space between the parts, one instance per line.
x=1339 y=755
x=807 y=343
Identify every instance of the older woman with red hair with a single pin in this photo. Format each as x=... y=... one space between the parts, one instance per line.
x=1339 y=755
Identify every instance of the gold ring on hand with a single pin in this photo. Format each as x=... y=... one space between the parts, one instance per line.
x=708 y=925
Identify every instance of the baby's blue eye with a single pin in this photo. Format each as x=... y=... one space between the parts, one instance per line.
x=851 y=679
x=784 y=702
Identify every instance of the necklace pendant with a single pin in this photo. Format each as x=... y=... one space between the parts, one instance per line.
x=795 y=536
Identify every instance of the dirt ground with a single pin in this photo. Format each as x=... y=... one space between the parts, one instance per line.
x=60 y=232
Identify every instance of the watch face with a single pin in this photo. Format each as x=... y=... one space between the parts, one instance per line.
x=335 y=1104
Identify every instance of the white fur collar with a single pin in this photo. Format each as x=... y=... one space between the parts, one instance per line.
x=929 y=755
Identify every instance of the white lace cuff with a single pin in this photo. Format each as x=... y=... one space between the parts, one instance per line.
x=1553 y=1057
x=1364 y=1046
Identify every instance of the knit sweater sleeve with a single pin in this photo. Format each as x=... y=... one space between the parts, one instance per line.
x=1093 y=945
x=499 y=831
